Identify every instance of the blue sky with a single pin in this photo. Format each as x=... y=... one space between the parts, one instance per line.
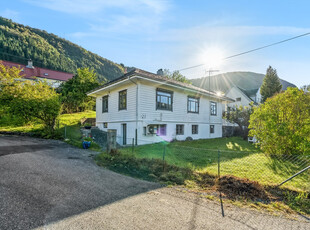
x=151 y=34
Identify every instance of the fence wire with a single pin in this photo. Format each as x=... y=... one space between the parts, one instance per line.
x=253 y=165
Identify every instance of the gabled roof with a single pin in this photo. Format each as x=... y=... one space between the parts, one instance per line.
x=31 y=73
x=147 y=75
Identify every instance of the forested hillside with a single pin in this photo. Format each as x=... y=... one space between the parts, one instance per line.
x=19 y=43
x=245 y=80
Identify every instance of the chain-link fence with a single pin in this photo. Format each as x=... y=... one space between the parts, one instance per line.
x=241 y=163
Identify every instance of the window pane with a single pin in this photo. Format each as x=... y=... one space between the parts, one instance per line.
x=164 y=100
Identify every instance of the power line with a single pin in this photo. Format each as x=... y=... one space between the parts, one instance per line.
x=249 y=51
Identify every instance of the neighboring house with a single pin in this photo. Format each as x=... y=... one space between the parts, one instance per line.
x=151 y=108
x=52 y=77
x=242 y=97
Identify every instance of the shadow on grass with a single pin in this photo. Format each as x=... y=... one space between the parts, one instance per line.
x=288 y=165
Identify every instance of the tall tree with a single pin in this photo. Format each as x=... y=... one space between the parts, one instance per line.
x=271 y=84
x=74 y=91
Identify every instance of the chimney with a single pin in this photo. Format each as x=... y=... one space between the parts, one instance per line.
x=160 y=72
x=30 y=64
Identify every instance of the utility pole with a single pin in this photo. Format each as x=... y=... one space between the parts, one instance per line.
x=211 y=71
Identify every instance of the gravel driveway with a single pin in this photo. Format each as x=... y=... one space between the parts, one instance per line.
x=47 y=184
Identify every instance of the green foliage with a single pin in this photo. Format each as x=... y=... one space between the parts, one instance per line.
x=50 y=51
x=28 y=100
x=271 y=84
x=73 y=92
x=176 y=75
x=281 y=125
x=240 y=116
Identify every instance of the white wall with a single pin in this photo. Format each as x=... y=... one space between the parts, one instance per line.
x=114 y=114
x=235 y=93
x=147 y=113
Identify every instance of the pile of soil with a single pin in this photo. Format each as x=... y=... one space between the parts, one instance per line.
x=235 y=188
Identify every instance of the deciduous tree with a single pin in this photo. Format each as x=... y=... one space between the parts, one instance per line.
x=282 y=123
x=28 y=99
x=176 y=75
x=240 y=116
x=74 y=91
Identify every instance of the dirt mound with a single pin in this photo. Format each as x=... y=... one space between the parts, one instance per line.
x=236 y=188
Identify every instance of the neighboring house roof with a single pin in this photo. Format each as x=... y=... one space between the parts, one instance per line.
x=147 y=75
x=30 y=73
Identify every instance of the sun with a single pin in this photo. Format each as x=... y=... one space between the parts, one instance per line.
x=212 y=56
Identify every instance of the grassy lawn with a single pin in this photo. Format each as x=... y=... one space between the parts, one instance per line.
x=237 y=157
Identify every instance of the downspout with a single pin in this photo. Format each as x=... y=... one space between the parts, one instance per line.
x=136 y=131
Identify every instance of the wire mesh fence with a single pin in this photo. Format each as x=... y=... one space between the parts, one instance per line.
x=253 y=165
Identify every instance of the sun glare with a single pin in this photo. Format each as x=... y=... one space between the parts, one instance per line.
x=212 y=57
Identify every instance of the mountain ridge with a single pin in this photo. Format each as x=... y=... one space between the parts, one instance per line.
x=19 y=43
x=243 y=79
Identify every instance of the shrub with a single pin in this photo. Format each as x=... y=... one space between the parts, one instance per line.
x=281 y=124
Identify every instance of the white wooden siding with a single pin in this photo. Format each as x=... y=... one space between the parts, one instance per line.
x=148 y=114
x=114 y=114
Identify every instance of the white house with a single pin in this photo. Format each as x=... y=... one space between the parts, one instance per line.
x=151 y=108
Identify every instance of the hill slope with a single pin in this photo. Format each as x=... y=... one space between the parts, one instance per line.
x=244 y=80
x=19 y=42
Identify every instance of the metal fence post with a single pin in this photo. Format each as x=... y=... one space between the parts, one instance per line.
x=218 y=164
x=219 y=178
x=164 y=153
x=133 y=145
x=65 y=132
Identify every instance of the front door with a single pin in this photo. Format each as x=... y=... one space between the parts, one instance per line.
x=124 y=132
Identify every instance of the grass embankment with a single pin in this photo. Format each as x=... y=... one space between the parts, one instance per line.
x=68 y=127
x=194 y=164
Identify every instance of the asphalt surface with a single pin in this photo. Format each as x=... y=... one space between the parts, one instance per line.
x=47 y=184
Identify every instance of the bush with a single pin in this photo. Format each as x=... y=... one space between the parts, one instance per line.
x=29 y=100
x=281 y=124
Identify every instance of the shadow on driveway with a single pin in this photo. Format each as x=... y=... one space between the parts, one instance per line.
x=6 y=150
x=53 y=181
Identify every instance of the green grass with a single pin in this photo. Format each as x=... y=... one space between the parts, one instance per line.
x=70 y=122
x=237 y=157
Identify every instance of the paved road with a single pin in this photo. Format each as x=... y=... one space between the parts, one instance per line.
x=46 y=184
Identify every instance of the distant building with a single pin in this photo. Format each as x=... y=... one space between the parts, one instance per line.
x=54 y=78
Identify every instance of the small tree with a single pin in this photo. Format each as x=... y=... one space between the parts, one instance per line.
x=74 y=91
x=282 y=123
x=240 y=116
x=177 y=76
x=271 y=84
